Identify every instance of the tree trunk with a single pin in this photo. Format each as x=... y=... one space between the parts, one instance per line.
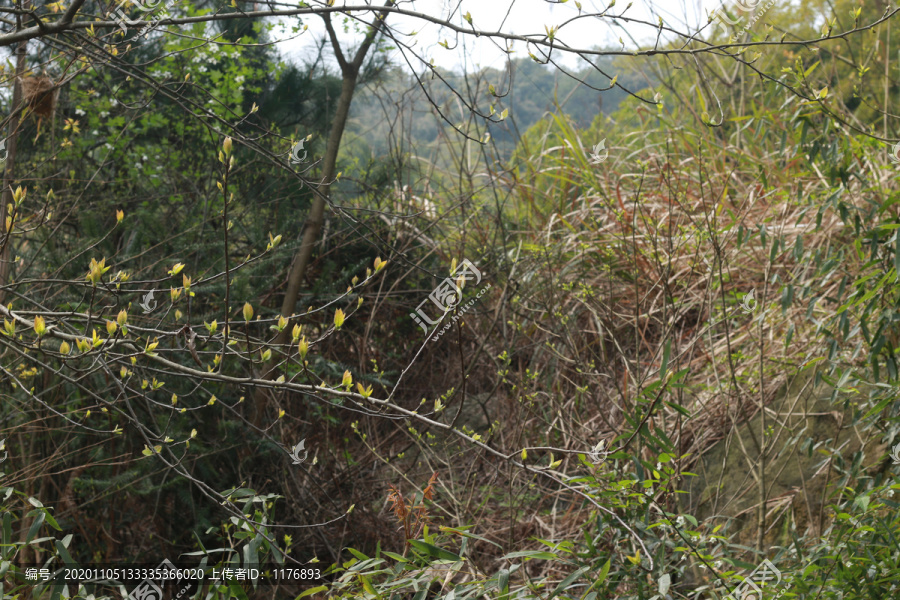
x=314 y=221
x=313 y=227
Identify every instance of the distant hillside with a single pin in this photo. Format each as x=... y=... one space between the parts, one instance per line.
x=535 y=90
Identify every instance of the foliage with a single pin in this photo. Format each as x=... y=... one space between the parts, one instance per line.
x=635 y=313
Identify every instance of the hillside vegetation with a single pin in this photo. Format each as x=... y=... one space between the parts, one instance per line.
x=669 y=351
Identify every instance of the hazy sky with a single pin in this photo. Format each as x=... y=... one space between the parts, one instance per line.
x=520 y=17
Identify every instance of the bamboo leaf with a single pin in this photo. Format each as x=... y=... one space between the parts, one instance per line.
x=311 y=591
x=434 y=551
x=35 y=527
x=503 y=581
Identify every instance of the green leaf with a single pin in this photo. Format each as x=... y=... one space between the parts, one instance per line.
x=647 y=394
x=810 y=568
x=238 y=493
x=367 y=585
x=357 y=554
x=56 y=594
x=312 y=591
x=565 y=583
x=236 y=591
x=278 y=555
x=665 y=360
x=205 y=552
x=679 y=408
x=878 y=408
x=64 y=554
x=503 y=581
x=35 y=527
x=532 y=554
x=603 y=573
x=251 y=551
x=51 y=521
x=395 y=556
x=434 y=551
x=7 y=531
x=467 y=534
x=897 y=255
x=41 y=540
x=664 y=582
x=811 y=69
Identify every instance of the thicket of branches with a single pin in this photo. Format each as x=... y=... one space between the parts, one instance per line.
x=211 y=347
